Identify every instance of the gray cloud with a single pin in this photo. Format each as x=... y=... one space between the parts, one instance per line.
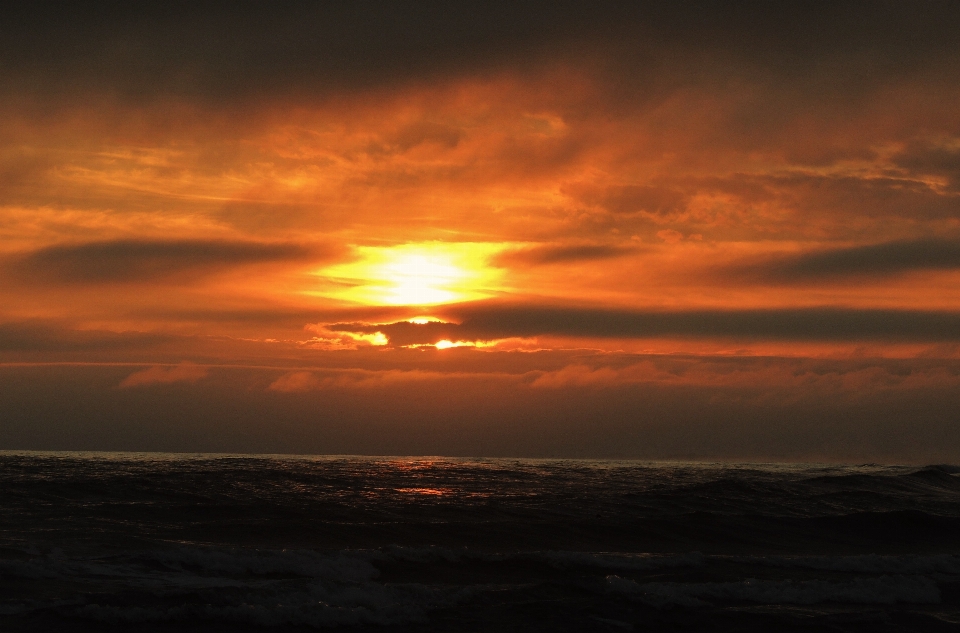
x=494 y=321
x=628 y=199
x=872 y=260
x=931 y=159
x=221 y=51
x=739 y=206
x=406 y=333
x=278 y=317
x=558 y=254
x=120 y=261
x=51 y=336
x=812 y=195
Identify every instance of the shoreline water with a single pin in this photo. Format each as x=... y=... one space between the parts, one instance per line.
x=164 y=542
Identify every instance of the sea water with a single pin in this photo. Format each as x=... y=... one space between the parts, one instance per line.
x=163 y=542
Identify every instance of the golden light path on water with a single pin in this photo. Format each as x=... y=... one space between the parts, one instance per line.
x=415 y=274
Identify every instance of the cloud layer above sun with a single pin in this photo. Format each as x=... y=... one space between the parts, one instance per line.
x=311 y=204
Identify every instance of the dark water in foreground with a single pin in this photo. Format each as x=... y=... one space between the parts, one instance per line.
x=147 y=542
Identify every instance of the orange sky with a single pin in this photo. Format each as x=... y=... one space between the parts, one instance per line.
x=660 y=213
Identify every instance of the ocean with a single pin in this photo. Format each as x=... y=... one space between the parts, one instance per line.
x=170 y=542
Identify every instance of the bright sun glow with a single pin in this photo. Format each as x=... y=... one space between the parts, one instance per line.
x=426 y=273
x=423 y=320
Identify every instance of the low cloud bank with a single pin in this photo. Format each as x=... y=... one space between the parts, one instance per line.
x=184 y=372
x=493 y=322
x=873 y=260
x=127 y=261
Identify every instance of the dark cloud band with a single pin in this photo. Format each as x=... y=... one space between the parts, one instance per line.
x=872 y=260
x=808 y=324
x=121 y=261
x=52 y=336
x=559 y=254
x=220 y=51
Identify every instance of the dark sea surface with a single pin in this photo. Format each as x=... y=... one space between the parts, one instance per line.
x=158 y=542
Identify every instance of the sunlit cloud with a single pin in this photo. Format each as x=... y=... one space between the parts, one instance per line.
x=445 y=344
x=327 y=339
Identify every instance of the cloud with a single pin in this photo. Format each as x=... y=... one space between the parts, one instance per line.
x=560 y=254
x=219 y=52
x=815 y=205
x=873 y=260
x=670 y=236
x=404 y=333
x=135 y=260
x=577 y=376
x=296 y=381
x=184 y=372
x=787 y=324
x=332 y=379
x=268 y=315
x=53 y=336
x=768 y=380
x=492 y=321
x=655 y=200
x=326 y=339
x=926 y=158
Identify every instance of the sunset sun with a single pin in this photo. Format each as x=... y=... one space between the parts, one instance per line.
x=427 y=273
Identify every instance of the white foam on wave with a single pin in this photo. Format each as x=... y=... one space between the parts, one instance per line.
x=873 y=590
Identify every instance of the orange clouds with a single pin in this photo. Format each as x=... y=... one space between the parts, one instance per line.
x=289 y=189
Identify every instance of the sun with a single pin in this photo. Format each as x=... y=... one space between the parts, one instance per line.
x=416 y=274
x=421 y=279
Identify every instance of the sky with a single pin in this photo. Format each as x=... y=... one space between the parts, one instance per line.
x=675 y=230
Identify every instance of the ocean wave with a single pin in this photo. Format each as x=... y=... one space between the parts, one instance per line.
x=554 y=558
x=947 y=564
x=617 y=560
x=257 y=587
x=316 y=589
x=340 y=567
x=152 y=544
x=874 y=590
x=869 y=563
x=316 y=606
x=30 y=569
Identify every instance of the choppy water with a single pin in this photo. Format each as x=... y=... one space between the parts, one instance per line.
x=148 y=542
